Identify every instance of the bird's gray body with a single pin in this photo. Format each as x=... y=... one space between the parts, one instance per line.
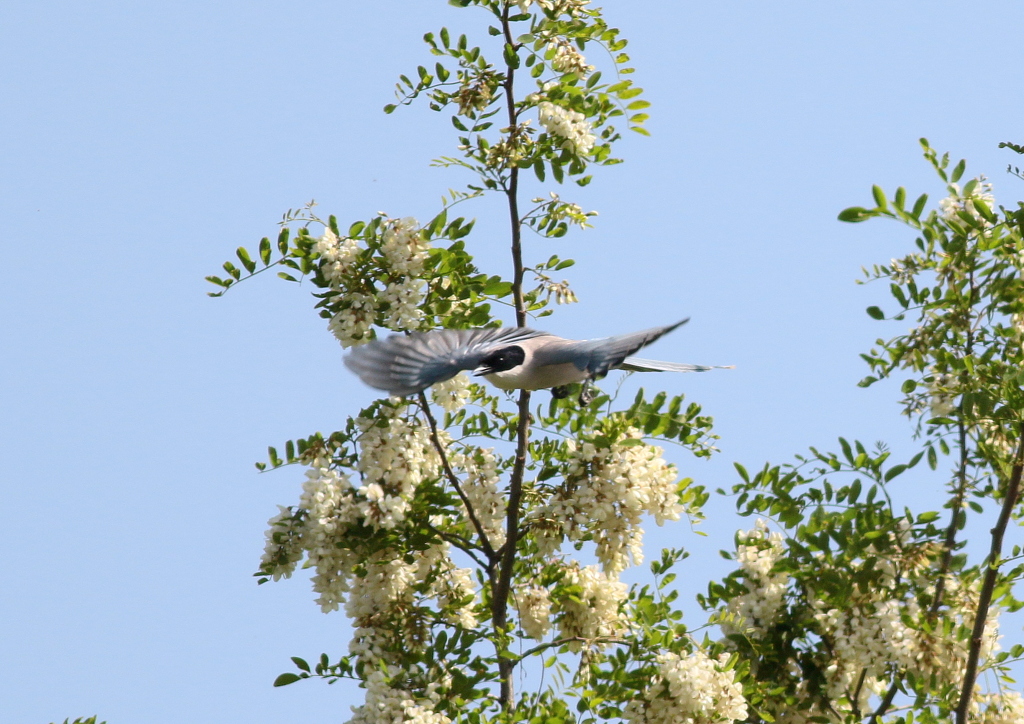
x=406 y=364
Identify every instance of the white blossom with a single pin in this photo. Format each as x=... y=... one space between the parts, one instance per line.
x=567 y=58
x=452 y=586
x=607 y=492
x=534 y=605
x=560 y=7
x=942 y=400
x=958 y=202
x=385 y=704
x=404 y=247
x=351 y=325
x=285 y=545
x=336 y=256
x=395 y=457
x=326 y=496
x=403 y=299
x=481 y=485
x=692 y=690
x=596 y=614
x=1006 y=707
x=758 y=552
x=570 y=125
x=452 y=394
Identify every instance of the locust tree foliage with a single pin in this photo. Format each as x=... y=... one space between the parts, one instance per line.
x=476 y=539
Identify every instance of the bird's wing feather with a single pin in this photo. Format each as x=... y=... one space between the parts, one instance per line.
x=635 y=364
x=407 y=364
x=597 y=356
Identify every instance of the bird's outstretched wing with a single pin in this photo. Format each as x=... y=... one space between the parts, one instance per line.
x=597 y=356
x=407 y=364
x=635 y=364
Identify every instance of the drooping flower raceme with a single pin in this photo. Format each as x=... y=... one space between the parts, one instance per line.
x=692 y=690
x=606 y=493
x=959 y=201
x=337 y=256
x=357 y=306
x=481 y=485
x=534 y=606
x=453 y=394
x=567 y=58
x=570 y=125
x=596 y=613
x=395 y=456
x=757 y=553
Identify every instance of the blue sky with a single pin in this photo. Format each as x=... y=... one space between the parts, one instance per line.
x=144 y=141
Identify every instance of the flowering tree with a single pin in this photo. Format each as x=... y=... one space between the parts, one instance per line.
x=472 y=536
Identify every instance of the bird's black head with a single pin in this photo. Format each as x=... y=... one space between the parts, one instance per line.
x=504 y=359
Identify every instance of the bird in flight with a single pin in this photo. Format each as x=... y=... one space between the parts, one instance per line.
x=509 y=358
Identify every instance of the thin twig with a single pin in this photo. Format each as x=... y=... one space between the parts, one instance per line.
x=570 y=639
x=485 y=542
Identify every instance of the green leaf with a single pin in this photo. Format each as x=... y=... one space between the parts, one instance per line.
x=265 y=251
x=875 y=313
x=958 y=171
x=510 y=55
x=244 y=257
x=879 y=195
x=919 y=206
x=301 y=663
x=894 y=471
x=855 y=214
x=285 y=679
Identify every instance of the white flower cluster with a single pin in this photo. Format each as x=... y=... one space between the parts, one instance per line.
x=403 y=299
x=942 y=402
x=596 y=613
x=452 y=394
x=387 y=705
x=381 y=591
x=337 y=256
x=1006 y=707
x=481 y=484
x=957 y=202
x=351 y=325
x=404 y=247
x=560 y=7
x=694 y=690
x=534 y=606
x=570 y=125
x=405 y=250
x=870 y=635
x=757 y=553
x=567 y=58
x=865 y=639
x=606 y=493
x=405 y=254
x=395 y=458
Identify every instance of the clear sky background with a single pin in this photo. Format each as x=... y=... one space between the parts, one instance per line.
x=142 y=142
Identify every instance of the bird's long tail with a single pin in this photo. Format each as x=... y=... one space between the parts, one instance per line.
x=635 y=364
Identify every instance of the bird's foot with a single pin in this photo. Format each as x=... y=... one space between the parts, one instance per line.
x=586 y=394
x=560 y=392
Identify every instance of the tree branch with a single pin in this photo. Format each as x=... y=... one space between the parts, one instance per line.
x=503 y=581
x=485 y=542
x=992 y=563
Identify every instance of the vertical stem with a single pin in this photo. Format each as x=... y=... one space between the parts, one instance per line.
x=512 y=189
x=991 y=576
x=502 y=582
